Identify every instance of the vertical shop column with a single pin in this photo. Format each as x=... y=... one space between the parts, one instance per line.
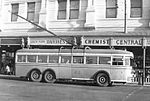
x=0 y=59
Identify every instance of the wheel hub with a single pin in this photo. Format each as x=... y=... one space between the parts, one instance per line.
x=102 y=79
x=35 y=75
x=49 y=77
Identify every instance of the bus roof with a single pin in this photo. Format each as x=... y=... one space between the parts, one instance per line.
x=94 y=51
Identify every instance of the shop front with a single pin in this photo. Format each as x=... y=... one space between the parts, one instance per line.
x=8 y=47
x=133 y=44
x=139 y=45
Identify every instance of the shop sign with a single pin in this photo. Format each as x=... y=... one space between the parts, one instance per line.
x=94 y=41
x=127 y=42
x=47 y=41
x=11 y=41
x=116 y=41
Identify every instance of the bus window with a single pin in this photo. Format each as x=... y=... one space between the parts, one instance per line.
x=117 y=61
x=91 y=60
x=78 y=59
x=53 y=59
x=104 y=60
x=21 y=58
x=31 y=58
x=127 y=61
x=65 y=59
x=42 y=58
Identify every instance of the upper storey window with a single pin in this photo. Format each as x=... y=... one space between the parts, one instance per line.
x=136 y=8
x=31 y=11
x=111 y=8
x=15 y=9
x=68 y=9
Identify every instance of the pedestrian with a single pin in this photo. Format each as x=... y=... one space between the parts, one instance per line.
x=8 y=70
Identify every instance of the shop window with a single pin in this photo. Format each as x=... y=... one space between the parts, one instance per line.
x=78 y=59
x=65 y=59
x=21 y=58
x=68 y=9
x=91 y=60
x=111 y=8
x=15 y=9
x=136 y=8
x=31 y=58
x=117 y=61
x=53 y=59
x=31 y=11
x=42 y=58
x=104 y=60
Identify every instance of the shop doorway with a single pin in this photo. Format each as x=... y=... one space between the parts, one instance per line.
x=7 y=57
x=8 y=63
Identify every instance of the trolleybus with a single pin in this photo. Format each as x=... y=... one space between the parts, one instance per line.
x=103 y=66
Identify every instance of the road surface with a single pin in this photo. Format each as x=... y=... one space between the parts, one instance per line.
x=20 y=90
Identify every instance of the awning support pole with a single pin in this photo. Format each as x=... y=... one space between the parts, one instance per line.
x=144 y=43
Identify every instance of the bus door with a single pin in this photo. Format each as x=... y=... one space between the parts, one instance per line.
x=118 y=68
x=65 y=67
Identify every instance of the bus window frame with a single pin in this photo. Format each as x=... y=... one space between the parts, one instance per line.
x=21 y=61
x=58 y=59
x=77 y=62
x=97 y=59
x=108 y=62
x=118 y=56
x=66 y=61
x=42 y=55
x=36 y=60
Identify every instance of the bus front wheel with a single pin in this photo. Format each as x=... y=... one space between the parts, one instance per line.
x=49 y=77
x=35 y=76
x=102 y=79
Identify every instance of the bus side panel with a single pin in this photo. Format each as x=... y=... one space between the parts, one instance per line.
x=64 y=71
x=22 y=69
x=129 y=74
x=120 y=73
x=87 y=71
x=93 y=69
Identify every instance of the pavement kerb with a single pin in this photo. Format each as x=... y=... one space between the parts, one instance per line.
x=11 y=77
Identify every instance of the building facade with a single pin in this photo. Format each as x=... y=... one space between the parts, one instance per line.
x=64 y=15
x=120 y=24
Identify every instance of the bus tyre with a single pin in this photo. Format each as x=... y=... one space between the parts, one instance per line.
x=49 y=77
x=102 y=80
x=35 y=76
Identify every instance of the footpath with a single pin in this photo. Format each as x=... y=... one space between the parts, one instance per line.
x=10 y=77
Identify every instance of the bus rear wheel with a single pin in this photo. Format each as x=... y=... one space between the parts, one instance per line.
x=102 y=80
x=49 y=77
x=35 y=76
